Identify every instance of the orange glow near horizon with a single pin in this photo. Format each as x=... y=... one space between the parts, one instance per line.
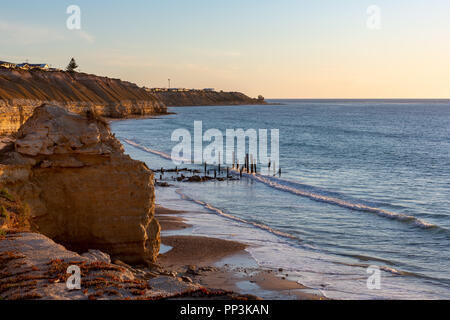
x=279 y=49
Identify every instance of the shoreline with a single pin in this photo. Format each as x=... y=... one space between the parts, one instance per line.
x=221 y=264
x=338 y=285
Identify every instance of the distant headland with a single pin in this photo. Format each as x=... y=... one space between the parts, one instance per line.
x=177 y=97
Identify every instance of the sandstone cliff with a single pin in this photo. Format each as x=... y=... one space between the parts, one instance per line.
x=82 y=190
x=205 y=98
x=22 y=91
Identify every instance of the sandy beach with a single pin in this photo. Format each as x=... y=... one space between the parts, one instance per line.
x=217 y=263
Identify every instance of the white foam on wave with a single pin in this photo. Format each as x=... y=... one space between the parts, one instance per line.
x=294 y=188
x=231 y=217
x=156 y=152
x=315 y=269
x=299 y=190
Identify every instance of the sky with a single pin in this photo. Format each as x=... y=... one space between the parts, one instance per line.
x=276 y=48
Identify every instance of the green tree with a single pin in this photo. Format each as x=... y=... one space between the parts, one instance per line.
x=72 y=65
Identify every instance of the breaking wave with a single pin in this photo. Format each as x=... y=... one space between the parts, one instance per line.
x=302 y=190
x=298 y=189
x=231 y=217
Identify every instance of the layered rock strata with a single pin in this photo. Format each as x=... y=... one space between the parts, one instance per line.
x=82 y=190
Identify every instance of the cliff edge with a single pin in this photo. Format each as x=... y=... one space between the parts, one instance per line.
x=22 y=91
x=204 y=98
x=82 y=190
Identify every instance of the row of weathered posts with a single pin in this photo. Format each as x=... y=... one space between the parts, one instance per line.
x=249 y=167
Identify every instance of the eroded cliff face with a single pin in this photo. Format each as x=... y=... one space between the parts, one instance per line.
x=22 y=91
x=83 y=191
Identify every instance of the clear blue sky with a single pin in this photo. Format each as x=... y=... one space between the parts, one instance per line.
x=278 y=48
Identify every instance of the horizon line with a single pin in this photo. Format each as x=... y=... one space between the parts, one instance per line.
x=354 y=99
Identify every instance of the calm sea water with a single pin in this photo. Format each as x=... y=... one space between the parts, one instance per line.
x=364 y=183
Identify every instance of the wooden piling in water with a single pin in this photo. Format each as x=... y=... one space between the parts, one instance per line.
x=247 y=162
x=234 y=160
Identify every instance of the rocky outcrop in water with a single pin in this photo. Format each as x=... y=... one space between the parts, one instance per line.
x=22 y=91
x=82 y=190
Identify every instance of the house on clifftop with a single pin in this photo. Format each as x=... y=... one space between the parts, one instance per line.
x=30 y=66
x=8 y=65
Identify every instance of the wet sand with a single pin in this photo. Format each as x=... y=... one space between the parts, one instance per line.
x=203 y=259
x=169 y=221
x=200 y=251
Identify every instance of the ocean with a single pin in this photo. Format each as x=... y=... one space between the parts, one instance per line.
x=364 y=183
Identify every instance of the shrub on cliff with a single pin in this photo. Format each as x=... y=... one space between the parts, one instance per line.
x=72 y=66
x=13 y=214
x=6 y=195
x=4 y=213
